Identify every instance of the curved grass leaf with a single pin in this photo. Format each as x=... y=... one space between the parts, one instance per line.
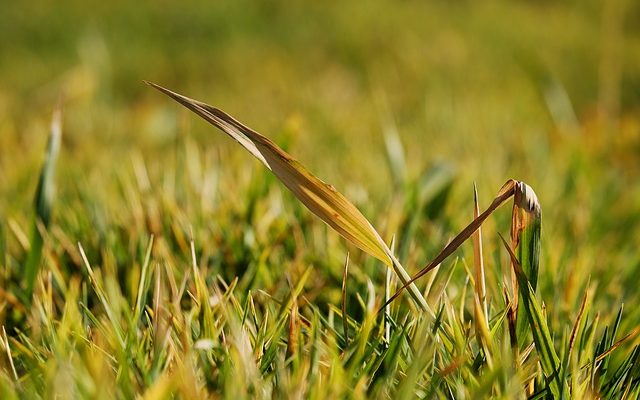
x=539 y=328
x=319 y=197
x=507 y=190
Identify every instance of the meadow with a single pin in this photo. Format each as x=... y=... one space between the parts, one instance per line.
x=145 y=254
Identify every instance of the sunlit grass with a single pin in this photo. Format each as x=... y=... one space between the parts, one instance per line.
x=171 y=264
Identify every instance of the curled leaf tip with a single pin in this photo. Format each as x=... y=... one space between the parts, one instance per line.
x=526 y=198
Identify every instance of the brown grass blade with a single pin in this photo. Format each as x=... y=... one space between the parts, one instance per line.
x=503 y=195
x=319 y=197
x=576 y=325
x=617 y=344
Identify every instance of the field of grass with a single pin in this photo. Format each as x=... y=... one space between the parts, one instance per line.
x=147 y=255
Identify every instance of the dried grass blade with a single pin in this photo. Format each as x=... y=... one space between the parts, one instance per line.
x=319 y=197
x=503 y=195
x=617 y=344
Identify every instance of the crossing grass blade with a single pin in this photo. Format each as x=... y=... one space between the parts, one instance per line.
x=319 y=197
x=507 y=190
x=573 y=338
x=43 y=203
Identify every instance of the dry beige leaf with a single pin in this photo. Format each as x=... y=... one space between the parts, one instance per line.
x=507 y=190
x=319 y=197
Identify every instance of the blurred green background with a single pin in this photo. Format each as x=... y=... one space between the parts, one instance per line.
x=547 y=92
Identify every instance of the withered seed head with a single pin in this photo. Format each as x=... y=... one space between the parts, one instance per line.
x=526 y=198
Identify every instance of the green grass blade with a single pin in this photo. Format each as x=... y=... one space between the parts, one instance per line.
x=526 y=223
x=143 y=284
x=43 y=203
x=423 y=195
x=539 y=328
x=395 y=154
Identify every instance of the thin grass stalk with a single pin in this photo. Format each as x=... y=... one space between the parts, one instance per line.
x=144 y=281
x=9 y=356
x=567 y=359
x=345 y=322
x=102 y=296
x=478 y=261
x=387 y=294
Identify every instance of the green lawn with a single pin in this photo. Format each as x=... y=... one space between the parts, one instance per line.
x=168 y=263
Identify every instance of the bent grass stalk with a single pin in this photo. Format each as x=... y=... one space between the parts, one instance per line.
x=525 y=235
x=507 y=190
